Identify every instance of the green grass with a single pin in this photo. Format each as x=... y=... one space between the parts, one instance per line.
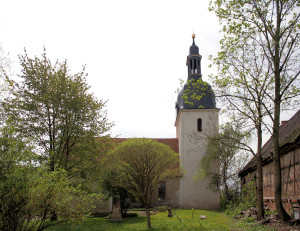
x=181 y=220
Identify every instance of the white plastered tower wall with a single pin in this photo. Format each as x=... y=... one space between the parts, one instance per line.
x=192 y=148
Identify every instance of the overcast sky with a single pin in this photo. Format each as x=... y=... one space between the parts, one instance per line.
x=135 y=51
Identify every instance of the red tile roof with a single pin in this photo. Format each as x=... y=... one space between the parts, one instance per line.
x=171 y=142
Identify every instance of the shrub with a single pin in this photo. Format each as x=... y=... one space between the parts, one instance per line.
x=246 y=201
x=99 y=214
x=162 y=208
x=131 y=215
x=234 y=196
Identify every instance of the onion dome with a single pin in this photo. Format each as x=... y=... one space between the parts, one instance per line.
x=195 y=94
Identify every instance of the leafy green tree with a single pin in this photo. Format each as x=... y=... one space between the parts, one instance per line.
x=111 y=189
x=15 y=165
x=139 y=165
x=246 y=200
x=53 y=193
x=243 y=84
x=28 y=191
x=57 y=110
x=271 y=28
x=224 y=150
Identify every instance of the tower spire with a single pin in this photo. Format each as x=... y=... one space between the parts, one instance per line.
x=194 y=50
x=194 y=61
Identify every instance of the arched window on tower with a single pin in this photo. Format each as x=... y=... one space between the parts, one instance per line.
x=199 y=125
x=177 y=109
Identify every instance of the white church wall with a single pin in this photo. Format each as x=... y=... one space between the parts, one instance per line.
x=192 y=148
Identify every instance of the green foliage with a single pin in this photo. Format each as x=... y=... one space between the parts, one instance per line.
x=233 y=196
x=196 y=91
x=258 y=69
x=60 y=114
x=246 y=201
x=223 y=160
x=111 y=189
x=132 y=215
x=53 y=111
x=139 y=165
x=14 y=159
x=28 y=191
x=162 y=208
x=249 y=220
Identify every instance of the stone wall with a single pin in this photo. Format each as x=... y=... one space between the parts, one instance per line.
x=172 y=194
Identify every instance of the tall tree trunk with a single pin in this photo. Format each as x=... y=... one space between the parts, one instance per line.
x=259 y=176
x=148 y=216
x=277 y=168
x=275 y=136
x=227 y=196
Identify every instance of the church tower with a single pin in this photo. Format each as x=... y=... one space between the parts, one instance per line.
x=196 y=118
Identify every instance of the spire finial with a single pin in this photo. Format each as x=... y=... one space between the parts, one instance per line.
x=194 y=49
x=193 y=36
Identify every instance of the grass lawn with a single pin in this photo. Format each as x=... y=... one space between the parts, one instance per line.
x=181 y=220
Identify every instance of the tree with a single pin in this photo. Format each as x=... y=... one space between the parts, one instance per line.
x=13 y=179
x=243 y=83
x=225 y=149
x=54 y=193
x=273 y=27
x=111 y=189
x=4 y=82
x=139 y=165
x=4 y=71
x=59 y=113
x=28 y=191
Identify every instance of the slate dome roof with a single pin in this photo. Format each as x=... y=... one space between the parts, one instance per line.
x=207 y=100
x=202 y=90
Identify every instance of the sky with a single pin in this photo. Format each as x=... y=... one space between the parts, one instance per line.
x=135 y=51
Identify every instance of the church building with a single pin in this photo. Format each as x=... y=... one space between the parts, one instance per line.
x=196 y=118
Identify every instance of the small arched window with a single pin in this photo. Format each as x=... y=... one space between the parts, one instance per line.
x=199 y=125
x=162 y=190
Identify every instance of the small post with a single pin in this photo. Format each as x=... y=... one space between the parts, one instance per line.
x=170 y=212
